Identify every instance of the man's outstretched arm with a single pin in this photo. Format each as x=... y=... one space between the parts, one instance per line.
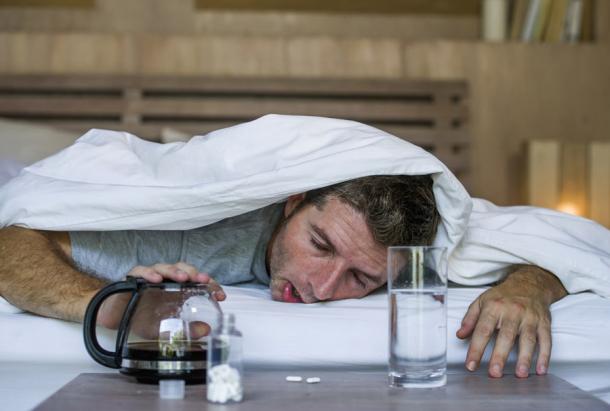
x=516 y=308
x=37 y=276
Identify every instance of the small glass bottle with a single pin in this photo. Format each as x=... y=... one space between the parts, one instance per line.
x=224 y=372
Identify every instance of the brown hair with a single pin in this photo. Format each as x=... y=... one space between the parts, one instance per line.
x=399 y=209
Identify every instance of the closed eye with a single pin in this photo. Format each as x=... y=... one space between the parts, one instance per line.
x=361 y=283
x=319 y=245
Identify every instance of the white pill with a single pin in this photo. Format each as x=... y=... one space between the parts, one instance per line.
x=294 y=378
x=313 y=380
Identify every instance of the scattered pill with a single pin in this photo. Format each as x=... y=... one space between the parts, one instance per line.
x=294 y=378
x=313 y=380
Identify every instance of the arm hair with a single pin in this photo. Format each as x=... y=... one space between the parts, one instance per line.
x=37 y=276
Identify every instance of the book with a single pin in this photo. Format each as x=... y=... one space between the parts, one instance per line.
x=556 y=21
x=544 y=8
x=588 y=19
x=519 y=12
x=494 y=20
x=527 y=34
x=573 y=22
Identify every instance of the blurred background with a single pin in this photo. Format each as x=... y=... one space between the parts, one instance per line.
x=537 y=72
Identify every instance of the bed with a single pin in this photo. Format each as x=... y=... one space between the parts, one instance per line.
x=312 y=336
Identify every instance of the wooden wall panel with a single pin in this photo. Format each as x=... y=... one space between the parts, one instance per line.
x=91 y=53
x=28 y=53
x=200 y=55
x=573 y=196
x=25 y=52
x=207 y=55
x=47 y=3
x=520 y=92
x=570 y=177
x=331 y=57
x=462 y=7
x=599 y=183
x=243 y=56
x=543 y=180
x=181 y=17
x=602 y=22
x=401 y=27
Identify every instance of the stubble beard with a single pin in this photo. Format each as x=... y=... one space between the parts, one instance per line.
x=278 y=255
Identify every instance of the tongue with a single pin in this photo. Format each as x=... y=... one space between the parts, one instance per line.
x=288 y=296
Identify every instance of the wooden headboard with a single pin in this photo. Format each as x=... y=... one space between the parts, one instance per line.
x=431 y=114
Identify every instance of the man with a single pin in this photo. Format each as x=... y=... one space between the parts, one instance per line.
x=325 y=244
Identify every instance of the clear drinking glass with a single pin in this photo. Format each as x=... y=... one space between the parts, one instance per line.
x=417 y=290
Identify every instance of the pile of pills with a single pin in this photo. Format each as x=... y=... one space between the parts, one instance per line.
x=224 y=384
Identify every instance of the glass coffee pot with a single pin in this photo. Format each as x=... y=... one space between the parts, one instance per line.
x=163 y=329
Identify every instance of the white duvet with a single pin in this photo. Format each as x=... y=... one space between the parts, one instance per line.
x=112 y=180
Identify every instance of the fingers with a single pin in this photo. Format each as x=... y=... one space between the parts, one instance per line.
x=147 y=273
x=217 y=291
x=470 y=320
x=199 y=329
x=203 y=278
x=170 y=272
x=504 y=343
x=191 y=271
x=483 y=332
x=544 y=353
x=517 y=309
x=179 y=272
x=158 y=272
x=527 y=345
x=511 y=324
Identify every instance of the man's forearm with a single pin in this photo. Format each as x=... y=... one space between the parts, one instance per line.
x=36 y=276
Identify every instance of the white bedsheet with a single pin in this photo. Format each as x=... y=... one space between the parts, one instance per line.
x=339 y=333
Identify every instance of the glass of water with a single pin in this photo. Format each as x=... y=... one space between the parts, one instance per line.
x=417 y=290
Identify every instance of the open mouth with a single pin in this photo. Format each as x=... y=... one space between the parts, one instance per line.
x=290 y=294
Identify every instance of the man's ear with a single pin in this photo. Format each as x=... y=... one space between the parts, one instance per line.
x=292 y=203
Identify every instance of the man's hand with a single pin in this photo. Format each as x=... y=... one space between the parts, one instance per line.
x=179 y=272
x=112 y=308
x=519 y=306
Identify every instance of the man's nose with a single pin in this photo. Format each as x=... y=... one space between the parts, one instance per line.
x=326 y=282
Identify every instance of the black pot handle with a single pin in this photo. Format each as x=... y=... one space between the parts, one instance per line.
x=99 y=354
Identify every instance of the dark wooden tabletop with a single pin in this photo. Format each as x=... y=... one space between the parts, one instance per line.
x=338 y=390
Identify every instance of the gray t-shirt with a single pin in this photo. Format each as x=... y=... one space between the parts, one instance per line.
x=232 y=250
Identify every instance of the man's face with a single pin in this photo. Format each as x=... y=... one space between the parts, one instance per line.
x=327 y=254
